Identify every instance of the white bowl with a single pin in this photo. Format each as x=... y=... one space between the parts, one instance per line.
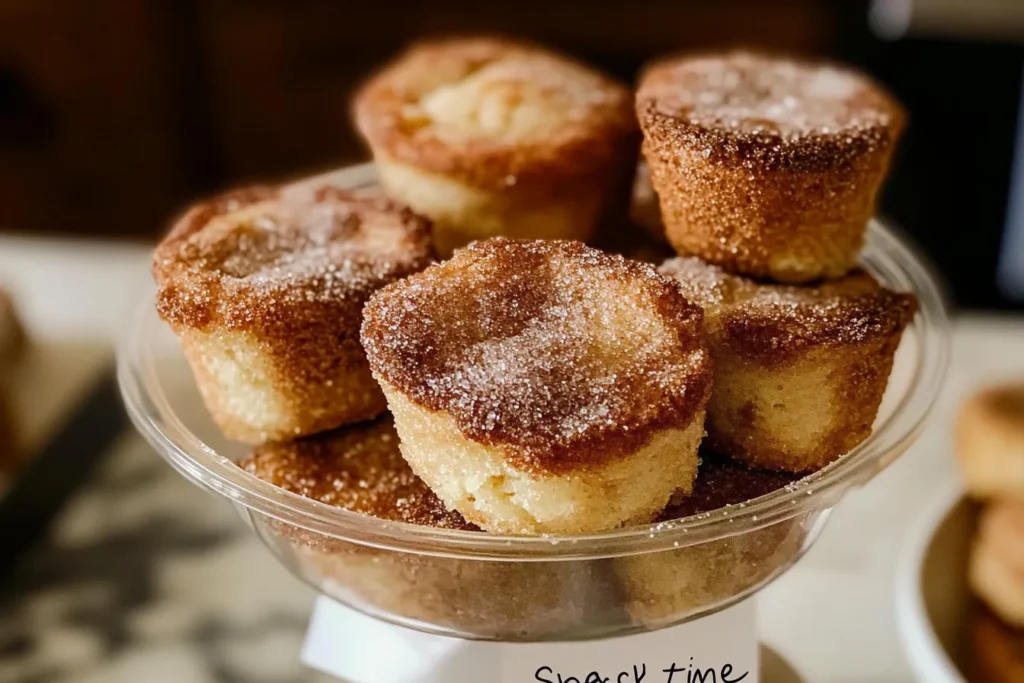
x=932 y=597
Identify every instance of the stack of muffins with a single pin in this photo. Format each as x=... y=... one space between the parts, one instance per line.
x=990 y=451
x=536 y=384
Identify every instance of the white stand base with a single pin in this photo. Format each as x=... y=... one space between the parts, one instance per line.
x=720 y=648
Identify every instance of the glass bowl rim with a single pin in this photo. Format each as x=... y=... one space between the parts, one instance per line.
x=887 y=255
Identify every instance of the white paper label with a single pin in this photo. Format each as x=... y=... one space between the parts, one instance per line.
x=721 y=648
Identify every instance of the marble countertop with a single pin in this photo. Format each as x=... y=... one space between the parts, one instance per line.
x=146 y=577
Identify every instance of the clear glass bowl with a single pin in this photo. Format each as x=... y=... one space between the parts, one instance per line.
x=517 y=588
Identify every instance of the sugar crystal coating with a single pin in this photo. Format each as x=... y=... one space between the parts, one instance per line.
x=773 y=322
x=356 y=468
x=495 y=113
x=261 y=256
x=560 y=353
x=778 y=111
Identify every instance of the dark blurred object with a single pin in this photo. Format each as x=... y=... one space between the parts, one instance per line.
x=971 y=19
x=63 y=465
x=89 y=141
x=12 y=334
x=12 y=343
x=950 y=185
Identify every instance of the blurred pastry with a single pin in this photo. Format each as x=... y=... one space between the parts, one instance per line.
x=662 y=588
x=12 y=334
x=767 y=166
x=543 y=386
x=799 y=370
x=990 y=442
x=997 y=650
x=360 y=468
x=492 y=137
x=996 y=571
x=265 y=288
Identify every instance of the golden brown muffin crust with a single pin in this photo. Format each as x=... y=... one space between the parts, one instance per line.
x=502 y=337
x=240 y=259
x=495 y=113
x=722 y=482
x=357 y=468
x=774 y=323
x=765 y=112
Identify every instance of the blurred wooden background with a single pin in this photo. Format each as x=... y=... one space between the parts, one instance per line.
x=115 y=112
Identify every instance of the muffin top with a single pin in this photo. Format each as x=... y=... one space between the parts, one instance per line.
x=494 y=112
x=357 y=468
x=561 y=355
x=266 y=256
x=742 y=106
x=768 y=321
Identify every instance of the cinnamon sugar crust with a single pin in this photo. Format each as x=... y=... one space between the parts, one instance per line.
x=496 y=114
x=265 y=289
x=291 y=269
x=768 y=167
x=767 y=113
x=356 y=468
x=560 y=354
x=264 y=259
x=800 y=371
x=774 y=324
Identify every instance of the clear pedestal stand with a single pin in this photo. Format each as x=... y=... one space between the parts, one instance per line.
x=594 y=588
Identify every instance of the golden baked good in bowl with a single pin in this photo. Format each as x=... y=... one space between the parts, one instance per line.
x=265 y=289
x=543 y=386
x=657 y=586
x=360 y=468
x=490 y=137
x=990 y=442
x=767 y=166
x=799 y=370
x=996 y=570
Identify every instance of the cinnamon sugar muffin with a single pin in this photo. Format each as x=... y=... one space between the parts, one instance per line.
x=996 y=569
x=799 y=370
x=661 y=587
x=990 y=442
x=543 y=386
x=491 y=137
x=265 y=288
x=360 y=468
x=767 y=166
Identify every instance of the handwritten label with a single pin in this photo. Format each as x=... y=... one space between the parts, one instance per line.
x=721 y=648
